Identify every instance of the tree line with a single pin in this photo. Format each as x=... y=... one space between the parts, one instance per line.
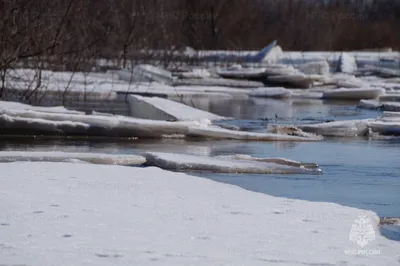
x=72 y=30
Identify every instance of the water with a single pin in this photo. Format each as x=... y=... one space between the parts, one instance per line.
x=358 y=172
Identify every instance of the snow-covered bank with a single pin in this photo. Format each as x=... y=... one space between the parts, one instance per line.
x=76 y=214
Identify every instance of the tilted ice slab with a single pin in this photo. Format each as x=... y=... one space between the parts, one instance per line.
x=270 y=92
x=347 y=63
x=218 y=82
x=221 y=133
x=185 y=162
x=353 y=94
x=63 y=214
x=55 y=156
x=163 y=109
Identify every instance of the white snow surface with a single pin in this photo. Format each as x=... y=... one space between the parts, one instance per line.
x=81 y=214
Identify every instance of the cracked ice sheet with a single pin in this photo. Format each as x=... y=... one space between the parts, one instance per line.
x=81 y=214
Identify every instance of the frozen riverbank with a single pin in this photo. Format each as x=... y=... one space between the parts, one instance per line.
x=154 y=216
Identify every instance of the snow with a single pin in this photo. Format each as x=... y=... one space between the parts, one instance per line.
x=185 y=162
x=163 y=109
x=353 y=94
x=77 y=214
x=270 y=92
x=54 y=156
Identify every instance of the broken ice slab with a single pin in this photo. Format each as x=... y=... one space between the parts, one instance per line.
x=338 y=128
x=282 y=161
x=353 y=94
x=156 y=108
x=245 y=84
x=244 y=73
x=185 y=162
x=221 y=133
x=22 y=122
x=315 y=68
x=55 y=156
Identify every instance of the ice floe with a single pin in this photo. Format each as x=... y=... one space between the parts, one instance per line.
x=282 y=161
x=221 y=133
x=315 y=68
x=218 y=82
x=163 y=109
x=347 y=63
x=5 y=105
x=184 y=162
x=56 y=156
x=84 y=214
x=384 y=106
x=353 y=94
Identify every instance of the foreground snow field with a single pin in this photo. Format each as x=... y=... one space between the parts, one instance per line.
x=82 y=214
